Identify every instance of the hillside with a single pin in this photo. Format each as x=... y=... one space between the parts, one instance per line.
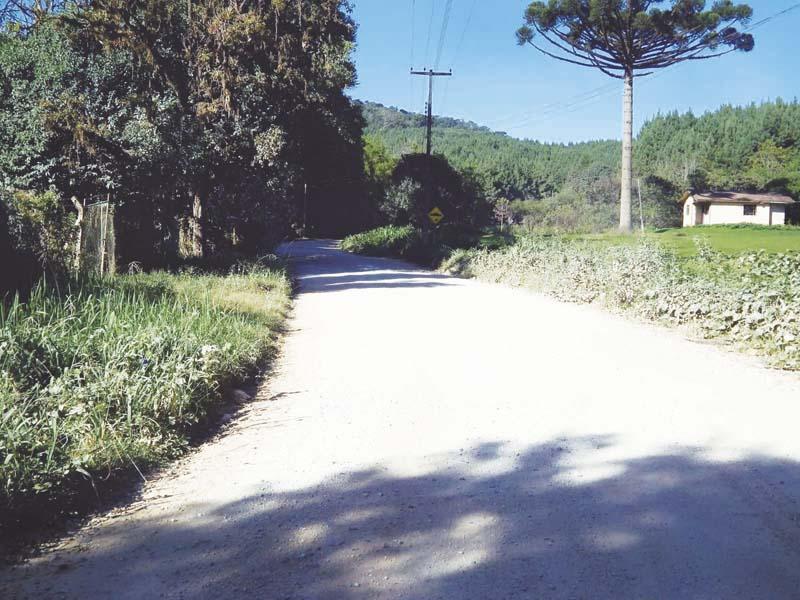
x=754 y=148
x=510 y=167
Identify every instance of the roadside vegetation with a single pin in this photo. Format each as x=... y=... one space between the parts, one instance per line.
x=106 y=376
x=427 y=248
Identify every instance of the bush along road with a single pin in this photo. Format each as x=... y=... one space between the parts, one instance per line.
x=431 y=437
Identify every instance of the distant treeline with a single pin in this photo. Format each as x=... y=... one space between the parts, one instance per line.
x=756 y=148
x=751 y=148
x=508 y=167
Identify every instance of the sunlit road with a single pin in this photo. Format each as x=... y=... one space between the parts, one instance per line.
x=426 y=437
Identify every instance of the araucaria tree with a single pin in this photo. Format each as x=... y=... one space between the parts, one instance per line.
x=632 y=38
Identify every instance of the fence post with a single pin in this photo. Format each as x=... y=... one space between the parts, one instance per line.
x=79 y=242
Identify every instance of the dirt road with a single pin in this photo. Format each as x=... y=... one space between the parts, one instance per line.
x=426 y=438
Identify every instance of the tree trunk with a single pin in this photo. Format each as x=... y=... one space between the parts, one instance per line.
x=197 y=225
x=627 y=156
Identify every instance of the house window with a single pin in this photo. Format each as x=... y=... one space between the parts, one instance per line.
x=749 y=211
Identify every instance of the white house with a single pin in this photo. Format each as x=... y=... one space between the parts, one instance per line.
x=722 y=208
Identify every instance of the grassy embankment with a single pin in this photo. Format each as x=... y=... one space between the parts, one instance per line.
x=738 y=284
x=114 y=375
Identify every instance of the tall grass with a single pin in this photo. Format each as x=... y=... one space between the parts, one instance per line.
x=106 y=375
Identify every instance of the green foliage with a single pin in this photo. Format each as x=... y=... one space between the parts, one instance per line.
x=422 y=182
x=43 y=228
x=502 y=166
x=749 y=148
x=751 y=299
x=566 y=211
x=378 y=167
x=228 y=120
x=595 y=34
x=427 y=248
x=103 y=376
x=391 y=240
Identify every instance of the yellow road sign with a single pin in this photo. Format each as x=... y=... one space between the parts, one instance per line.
x=436 y=216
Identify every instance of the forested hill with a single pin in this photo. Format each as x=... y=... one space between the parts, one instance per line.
x=511 y=168
x=379 y=116
x=754 y=147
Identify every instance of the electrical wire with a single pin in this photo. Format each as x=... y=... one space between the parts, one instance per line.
x=592 y=97
x=413 y=42
x=430 y=31
x=457 y=53
x=448 y=8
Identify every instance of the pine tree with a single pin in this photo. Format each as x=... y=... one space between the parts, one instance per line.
x=633 y=38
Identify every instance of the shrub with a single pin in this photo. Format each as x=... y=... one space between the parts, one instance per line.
x=391 y=240
x=425 y=248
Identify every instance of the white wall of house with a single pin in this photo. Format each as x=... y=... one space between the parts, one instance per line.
x=724 y=214
x=690 y=213
x=721 y=214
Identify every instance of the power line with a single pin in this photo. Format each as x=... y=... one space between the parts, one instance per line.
x=457 y=53
x=587 y=95
x=768 y=19
x=443 y=33
x=591 y=97
x=430 y=30
x=413 y=42
x=464 y=32
x=430 y=74
x=413 y=29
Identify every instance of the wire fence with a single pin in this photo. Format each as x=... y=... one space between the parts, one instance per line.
x=98 y=240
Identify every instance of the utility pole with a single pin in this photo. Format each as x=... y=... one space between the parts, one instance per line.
x=430 y=74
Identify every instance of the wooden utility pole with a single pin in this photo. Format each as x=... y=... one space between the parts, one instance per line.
x=430 y=74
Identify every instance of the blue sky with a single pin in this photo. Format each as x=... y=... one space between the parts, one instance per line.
x=517 y=90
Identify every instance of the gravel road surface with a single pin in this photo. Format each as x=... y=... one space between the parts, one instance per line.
x=432 y=438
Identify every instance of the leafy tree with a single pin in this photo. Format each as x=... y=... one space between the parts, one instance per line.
x=774 y=168
x=378 y=167
x=629 y=38
x=422 y=182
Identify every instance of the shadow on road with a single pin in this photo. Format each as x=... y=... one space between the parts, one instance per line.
x=320 y=267
x=489 y=524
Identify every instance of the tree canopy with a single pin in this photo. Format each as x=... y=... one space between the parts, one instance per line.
x=213 y=125
x=622 y=37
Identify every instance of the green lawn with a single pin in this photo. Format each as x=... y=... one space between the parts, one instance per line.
x=729 y=239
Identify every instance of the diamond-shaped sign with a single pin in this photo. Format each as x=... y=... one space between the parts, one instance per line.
x=436 y=216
